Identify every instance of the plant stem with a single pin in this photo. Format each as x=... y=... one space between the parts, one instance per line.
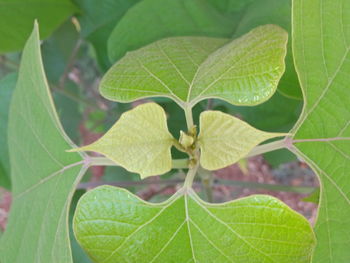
x=268 y=147
x=189 y=117
x=251 y=185
x=103 y=161
x=272 y=187
x=190 y=175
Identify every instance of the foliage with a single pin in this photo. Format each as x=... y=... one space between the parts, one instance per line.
x=178 y=54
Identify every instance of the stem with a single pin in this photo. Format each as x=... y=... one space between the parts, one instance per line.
x=268 y=147
x=207 y=182
x=252 y=185
x=103 y=161
x=190 y=176
x=189 y=117
x=272 y=187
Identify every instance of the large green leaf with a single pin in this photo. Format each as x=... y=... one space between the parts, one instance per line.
x=139 y=141
x=17 y=17
x=321 y=44
x=224 y=139
x=272 y=12
x=98 y=19
x=7 y=85
x=151 y=20
x=113 y=225
x=43 y=175
x=189 y=69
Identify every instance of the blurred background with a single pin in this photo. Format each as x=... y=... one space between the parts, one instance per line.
x=83 y=38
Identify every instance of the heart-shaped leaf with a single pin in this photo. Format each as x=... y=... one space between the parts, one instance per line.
x=113 y=225
x=245 y=71
x=225 y=139
x=139 y=141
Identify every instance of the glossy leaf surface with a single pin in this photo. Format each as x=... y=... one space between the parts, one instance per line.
x=139 y=141
x=321 y=46
x=189 y=69
x=43 y=175
x=17 y=18
x=225 y=139
x=113 y=225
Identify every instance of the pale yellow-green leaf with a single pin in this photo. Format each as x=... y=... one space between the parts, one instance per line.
x=139 y=141
x=225 y=139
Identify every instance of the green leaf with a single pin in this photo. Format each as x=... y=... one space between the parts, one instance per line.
x=139 y=141
x=17 y=18
x=43 y=175
x=321 y=31
x=224 y=139
x=272 y=12
x=151 y=20
x=244 y=72
x=97 y=21
x=7 y=85
x=113 y=225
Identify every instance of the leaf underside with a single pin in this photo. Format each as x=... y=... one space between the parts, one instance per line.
x=43 y=176
x=245 y=71
x=139 y=141
x=321 y=46
x=113 y=225
x=225 y=139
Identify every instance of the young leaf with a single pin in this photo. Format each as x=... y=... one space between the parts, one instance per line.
x=43 y=175
x=225 y=139
x=139 y=141
x=17 y=17
x=113 y=225
x=243 y=72
x=321 y=45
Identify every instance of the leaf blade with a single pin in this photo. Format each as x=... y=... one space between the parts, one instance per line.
x=204 y=232
x=234 y=77
x=41 y=173
x=225 y=139
x=322 y=133
x=139 y=141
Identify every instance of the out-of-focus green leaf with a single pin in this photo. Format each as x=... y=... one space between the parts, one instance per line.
x=321 y=47
x=43 y=176
x=151 y=20
x=17 y=17
x=57 y=51
x=278 y=157
x=113 y=225
x=278 y=114
x=69 y=111
x=79 y=255
x=97 y=20
x=7 y=85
